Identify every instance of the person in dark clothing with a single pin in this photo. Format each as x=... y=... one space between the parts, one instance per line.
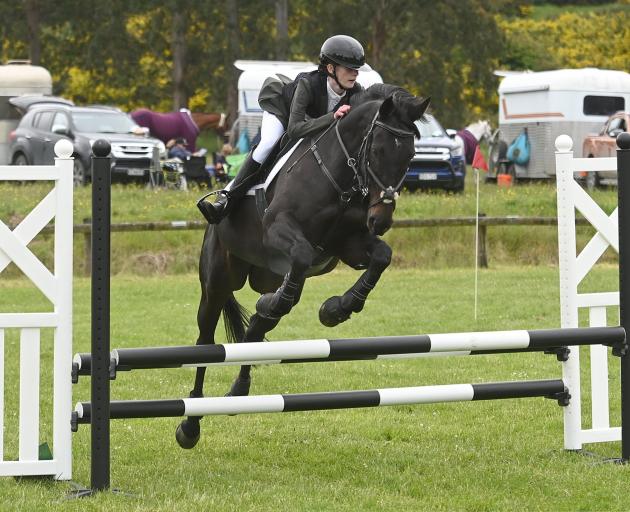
x=219 y=162
x=306 y=105
x=177 y=149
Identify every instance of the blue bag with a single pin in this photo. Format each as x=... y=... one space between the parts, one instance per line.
x=519 y=150
x=243 y=144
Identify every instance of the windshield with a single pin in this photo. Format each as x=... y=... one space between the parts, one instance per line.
x=102 y=122
x=430 y=128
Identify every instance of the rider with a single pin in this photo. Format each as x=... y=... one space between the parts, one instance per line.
x=302 y=107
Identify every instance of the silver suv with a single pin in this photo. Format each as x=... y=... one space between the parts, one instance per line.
x=134 y=155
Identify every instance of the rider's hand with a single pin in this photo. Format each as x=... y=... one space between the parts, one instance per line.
x=342 y=111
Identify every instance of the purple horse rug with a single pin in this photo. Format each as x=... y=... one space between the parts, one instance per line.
x=168 y=126
x=470 y=144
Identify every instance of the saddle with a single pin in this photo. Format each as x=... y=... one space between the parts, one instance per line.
x=269 y=169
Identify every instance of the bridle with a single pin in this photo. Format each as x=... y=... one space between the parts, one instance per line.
x=361 y=167
x=363 y=171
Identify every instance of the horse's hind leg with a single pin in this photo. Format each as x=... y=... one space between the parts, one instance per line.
x=217 y=284
x=339 y=308
x=189 y=430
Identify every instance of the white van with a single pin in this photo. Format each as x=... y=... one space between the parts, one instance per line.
x=255 y=72
x=18 y=78
x=576 y=102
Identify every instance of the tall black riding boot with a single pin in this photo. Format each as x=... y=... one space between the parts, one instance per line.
x=215 y=212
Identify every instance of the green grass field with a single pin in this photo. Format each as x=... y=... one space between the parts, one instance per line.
x=498 y=455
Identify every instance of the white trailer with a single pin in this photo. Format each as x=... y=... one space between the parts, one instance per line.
x=255 y=72
x=18 y=78
x=575 y=102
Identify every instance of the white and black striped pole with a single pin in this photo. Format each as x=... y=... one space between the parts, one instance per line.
x=347 y=349
x=553 y=389
x=623 y=197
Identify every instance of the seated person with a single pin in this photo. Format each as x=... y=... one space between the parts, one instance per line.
x=177 y=149
x=221 y=167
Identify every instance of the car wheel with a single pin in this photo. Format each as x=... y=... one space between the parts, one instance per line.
x=79 y=176
x=20 y=159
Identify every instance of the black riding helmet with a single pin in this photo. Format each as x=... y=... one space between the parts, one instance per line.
x=342 y=50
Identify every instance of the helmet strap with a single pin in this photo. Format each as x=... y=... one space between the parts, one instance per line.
x=333 y=75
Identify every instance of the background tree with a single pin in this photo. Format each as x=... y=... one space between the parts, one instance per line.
x=282 y=29
x=174 y=53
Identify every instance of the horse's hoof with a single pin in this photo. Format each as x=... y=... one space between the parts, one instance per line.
x=240 y=387
x=331 y=313
x=187 y=434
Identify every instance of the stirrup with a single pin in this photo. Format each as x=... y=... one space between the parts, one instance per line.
x=208 y=210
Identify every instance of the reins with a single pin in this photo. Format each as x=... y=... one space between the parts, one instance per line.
x=360 y=165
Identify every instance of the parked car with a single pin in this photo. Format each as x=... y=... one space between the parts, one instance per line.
x=604 y=144
x=439 y=159
x=44 y=123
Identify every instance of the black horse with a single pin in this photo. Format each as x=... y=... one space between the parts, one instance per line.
x=330 y=202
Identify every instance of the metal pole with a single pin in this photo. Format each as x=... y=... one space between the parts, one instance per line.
x=623 y=198
x=101 y=219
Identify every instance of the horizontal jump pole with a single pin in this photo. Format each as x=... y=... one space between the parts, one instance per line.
x=348 y=349
x=554 y=389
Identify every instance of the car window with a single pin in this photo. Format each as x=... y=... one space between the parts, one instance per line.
x=430 y=128
x=42 y=122
x=29 y=119
x=102 y=122
x=602 y=105
x=60 y=122
x=615 y=124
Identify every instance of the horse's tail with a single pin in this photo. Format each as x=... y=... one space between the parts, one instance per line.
x=236 y=319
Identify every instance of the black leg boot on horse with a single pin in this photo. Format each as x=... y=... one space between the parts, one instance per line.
x=217 y=211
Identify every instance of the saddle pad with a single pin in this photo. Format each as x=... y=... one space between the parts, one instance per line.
x=272 y=174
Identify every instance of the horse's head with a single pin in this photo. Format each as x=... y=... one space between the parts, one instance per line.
x=389 y=147
x=481 y=130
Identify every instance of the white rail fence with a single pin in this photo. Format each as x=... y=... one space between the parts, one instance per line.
x=56 y=286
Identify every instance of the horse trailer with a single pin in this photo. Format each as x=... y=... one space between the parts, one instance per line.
x=575 y=102
x=255 y=72
x=18 y=78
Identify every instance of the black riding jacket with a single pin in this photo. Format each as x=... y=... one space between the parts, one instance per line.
x=302 y=104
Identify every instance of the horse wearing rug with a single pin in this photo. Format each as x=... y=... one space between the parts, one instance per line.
x=167 y=126
x=471 y=136
x=330 y=202
x=216 y=121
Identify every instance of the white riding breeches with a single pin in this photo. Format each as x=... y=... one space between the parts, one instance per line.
x=270 y=131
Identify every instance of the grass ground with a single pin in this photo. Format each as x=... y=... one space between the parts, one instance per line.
x=498 y=455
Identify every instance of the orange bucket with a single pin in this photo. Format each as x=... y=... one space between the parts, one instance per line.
x=504 y=180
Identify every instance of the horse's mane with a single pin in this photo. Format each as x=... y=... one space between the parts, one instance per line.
x=405 y=102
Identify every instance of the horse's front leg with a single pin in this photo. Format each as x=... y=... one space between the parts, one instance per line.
x=357 y=252
x=284 y=236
